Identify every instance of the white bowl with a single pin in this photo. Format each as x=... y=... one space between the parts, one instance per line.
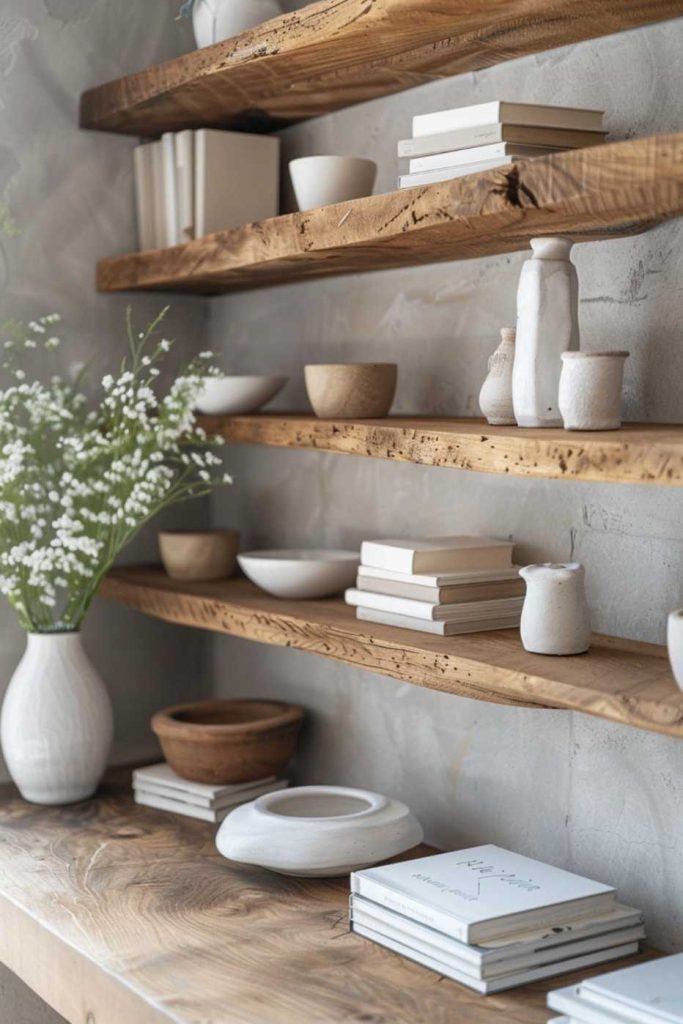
x=323 y=180
x=318 y=831
x=300 y=573
x=231 y=396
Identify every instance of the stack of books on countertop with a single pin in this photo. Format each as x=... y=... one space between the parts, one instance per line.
x=160 y=787
x=443 y=585
x=648 y=993
x=452 y=143
x=491 y=919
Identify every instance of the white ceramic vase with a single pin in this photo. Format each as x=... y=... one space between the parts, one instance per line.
x=674 y=642
x=56 y=724
x=590 y=390
x=555 y=617
x=547 y=326
x=495 y=397
x=215 y=20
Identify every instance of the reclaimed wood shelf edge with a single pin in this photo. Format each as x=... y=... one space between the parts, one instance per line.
x=619 y=188
x=650 y=453
x=335 y=53
x=620 y=680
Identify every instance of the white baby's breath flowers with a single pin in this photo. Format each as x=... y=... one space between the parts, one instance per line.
x=76 y=484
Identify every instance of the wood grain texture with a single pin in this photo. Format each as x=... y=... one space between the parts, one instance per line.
x=615 y=189
x=649 y=453
x=621 y=680
x=117 y=914
x=339 y=52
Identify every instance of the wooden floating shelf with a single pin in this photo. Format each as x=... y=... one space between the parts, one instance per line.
x=616 y=189
x=649 y=453
x=621 y=680
x=122 y=915
x=339 y=52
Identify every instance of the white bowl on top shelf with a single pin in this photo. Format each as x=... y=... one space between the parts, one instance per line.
x=300 y=573
x=234 y=395
x=323 y=180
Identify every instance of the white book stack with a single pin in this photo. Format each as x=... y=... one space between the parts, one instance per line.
x=491 y=919
x=649 y=993
x=191 y=183
x=441 y=585
x=160 y=787
x=453 y=143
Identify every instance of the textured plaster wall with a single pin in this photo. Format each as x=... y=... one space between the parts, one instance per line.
x=587 y=795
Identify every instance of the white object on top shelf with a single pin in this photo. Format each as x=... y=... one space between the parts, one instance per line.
x=437 y=554
x=215 y=20
x=300 y=573
x=235 y=395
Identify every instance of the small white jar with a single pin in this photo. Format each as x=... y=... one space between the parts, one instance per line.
x=590 y=390
x=555 y=617
x=674 y=642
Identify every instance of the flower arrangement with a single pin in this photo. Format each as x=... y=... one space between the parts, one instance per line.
x=76 y=485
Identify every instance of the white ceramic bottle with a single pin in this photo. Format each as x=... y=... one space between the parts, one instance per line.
x=495 y=397
x=547 y=326
x=215 y=20
x=555 y=617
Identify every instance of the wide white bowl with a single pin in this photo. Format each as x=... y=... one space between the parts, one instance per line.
x=231 y=396
x=322 y=180
x=300 y=573
x=318 y=831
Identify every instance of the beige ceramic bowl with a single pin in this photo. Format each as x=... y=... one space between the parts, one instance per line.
x=199 y=555
x=351 y=390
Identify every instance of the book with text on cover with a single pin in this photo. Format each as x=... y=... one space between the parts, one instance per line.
x=437 y=554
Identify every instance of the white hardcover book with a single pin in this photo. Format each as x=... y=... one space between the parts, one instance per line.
x=486 y=135
x=496 y=608
x=458 y=157
x=491 y=985
x=445 y=579
x=437 y=628
x=650 y=993
x=170 y=188
x=144 y=195
x=159 y=204
x=437 y=554
x=162 y=774
x=482 y=892
x=568 y=1001
x=236 y=179
x=496 y=111
x=184 y=162
x=448 y=173
x=212 y=814
x=441 y=595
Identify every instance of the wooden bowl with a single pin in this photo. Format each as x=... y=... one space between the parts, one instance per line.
x=351 y=390
x=199 y=555
x=225 y=741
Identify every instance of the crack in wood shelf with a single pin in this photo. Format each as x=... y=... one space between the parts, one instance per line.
x=649 y=453
x=621 y=680
x=118 y=914
x=619 y=188
x=336 y=53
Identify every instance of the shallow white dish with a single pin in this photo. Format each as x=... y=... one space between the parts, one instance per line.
x=300 y=573
x=318 y=831
x=232 y=395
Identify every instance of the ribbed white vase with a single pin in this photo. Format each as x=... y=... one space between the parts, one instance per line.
x=56 y=724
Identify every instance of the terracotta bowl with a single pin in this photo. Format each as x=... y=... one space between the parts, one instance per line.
x=199 y=555
x=224 y=741
x=351 y=390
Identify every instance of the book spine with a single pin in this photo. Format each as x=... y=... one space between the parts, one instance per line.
x=441 y=142
x=170 y=188
x=412 y=908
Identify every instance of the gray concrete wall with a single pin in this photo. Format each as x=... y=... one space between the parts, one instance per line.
x=587 y=795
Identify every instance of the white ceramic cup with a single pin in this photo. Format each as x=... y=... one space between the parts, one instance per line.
x=590 y=390
x=674 y=642
x=323 y=180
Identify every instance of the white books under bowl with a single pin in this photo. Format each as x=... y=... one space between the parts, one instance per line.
x=437 y=554
x=158 y=786
x=495 y=111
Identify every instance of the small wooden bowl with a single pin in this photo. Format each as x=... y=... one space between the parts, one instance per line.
x=226 y=741
x=351 y=390
x=199 y=554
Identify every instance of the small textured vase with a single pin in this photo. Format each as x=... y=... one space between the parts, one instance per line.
x=215 y=20
x=674 y=642
x=590 y=390
x=555 y=617
x=495 y=397
x=547 y=326
x=56 y=723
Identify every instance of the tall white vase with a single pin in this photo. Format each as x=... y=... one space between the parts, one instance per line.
x=547 y=326
x=56 y=724
x=215 y=20
x=555 y=617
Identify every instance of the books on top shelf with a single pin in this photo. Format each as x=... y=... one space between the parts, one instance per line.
x=648 y=993
x=160 y=787
x=437 y=554
x=491 y=919
x=192 y=183
x=452 y=143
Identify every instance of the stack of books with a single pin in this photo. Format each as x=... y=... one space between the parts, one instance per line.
x=491 y=919
x=649 y=993
x=443 y=585
x=191 y=183
x=160 y=787
x=452 y=143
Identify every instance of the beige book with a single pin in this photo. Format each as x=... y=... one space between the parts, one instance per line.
x=236 y=179
x=442 y=595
